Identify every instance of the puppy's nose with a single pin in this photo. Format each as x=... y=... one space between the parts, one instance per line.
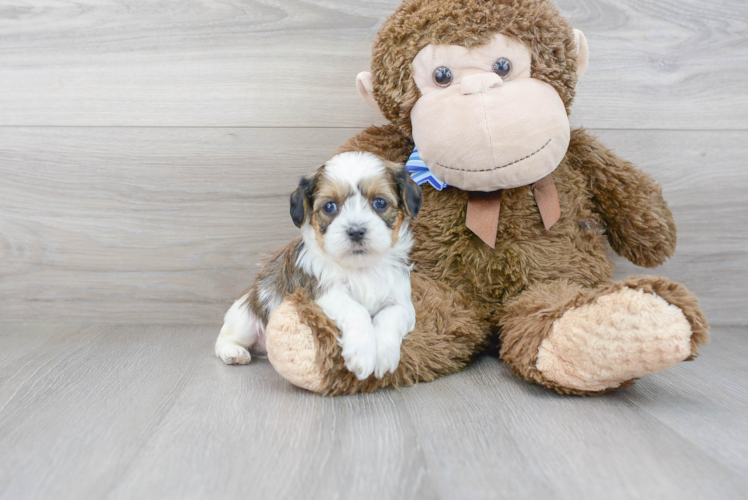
x=356 y=233
x=479 y=83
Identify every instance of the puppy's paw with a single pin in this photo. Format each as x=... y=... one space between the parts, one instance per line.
x=388 y=356
x=359 y=353
x=232 y=354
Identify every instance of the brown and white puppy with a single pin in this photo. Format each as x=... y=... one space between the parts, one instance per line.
x=353 y=256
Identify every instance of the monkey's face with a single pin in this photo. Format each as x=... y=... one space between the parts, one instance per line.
x=482 y=123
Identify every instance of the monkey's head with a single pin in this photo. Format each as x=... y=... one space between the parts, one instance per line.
x=483 y=87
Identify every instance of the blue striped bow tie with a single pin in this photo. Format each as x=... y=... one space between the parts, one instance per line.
x=488 y=204
x=421 y=173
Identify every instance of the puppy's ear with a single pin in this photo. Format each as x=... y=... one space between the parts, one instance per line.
x=410 y=192
x=301 y=200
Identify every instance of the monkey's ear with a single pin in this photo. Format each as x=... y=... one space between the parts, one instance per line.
x=365 y=88
x=583 y=52
x=410 y=192
x=301 y=201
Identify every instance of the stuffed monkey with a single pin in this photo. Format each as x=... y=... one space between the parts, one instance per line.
x=518 y=209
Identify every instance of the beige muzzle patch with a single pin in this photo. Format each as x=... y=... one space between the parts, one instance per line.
x=511 y=135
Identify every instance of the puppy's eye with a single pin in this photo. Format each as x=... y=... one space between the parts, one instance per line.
x=379 y=204
x=443 y=76
x=502 y=67
x=330 y=208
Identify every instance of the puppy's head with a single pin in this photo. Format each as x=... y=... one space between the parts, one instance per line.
x=354 y=207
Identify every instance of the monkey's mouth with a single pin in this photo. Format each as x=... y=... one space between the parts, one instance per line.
x=499 y=167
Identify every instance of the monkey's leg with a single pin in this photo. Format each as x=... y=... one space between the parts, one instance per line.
x=589 y=341
x=302 y=342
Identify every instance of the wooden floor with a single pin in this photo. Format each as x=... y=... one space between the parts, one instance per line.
x=106 y=411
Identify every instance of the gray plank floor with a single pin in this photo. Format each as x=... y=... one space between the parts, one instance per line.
x=128 y=411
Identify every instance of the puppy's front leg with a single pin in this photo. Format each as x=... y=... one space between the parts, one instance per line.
x=356 y=331
x=391 y=325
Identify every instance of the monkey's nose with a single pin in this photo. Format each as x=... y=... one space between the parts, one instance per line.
x=479 y=83
x=356 y=233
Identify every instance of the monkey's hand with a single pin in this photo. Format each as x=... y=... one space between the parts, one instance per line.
x=639 y=223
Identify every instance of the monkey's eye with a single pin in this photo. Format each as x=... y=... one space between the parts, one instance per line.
x=379 y=204
x=502 y=67
x=330 y=208
x=443 y=76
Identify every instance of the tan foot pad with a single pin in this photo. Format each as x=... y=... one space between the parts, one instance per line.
x=291 y=349
x=621 y=336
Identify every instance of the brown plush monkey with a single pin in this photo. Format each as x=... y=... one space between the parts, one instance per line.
x=513 y=252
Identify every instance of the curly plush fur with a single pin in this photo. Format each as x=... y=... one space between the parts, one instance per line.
x=468 y=295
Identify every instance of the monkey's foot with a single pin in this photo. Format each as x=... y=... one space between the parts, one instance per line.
x=303 y=347
x=619 y=337
x=292 y=350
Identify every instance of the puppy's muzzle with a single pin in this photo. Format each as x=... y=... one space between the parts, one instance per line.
x=356 y=234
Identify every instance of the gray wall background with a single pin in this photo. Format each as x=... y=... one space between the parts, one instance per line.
x=147 y=148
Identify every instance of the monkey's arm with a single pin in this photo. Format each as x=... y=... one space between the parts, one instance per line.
x=387 y=142
x=639 y=223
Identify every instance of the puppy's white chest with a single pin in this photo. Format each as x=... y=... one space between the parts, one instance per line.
x=370 y=290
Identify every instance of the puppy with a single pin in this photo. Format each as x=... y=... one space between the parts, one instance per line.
x=352 y=257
